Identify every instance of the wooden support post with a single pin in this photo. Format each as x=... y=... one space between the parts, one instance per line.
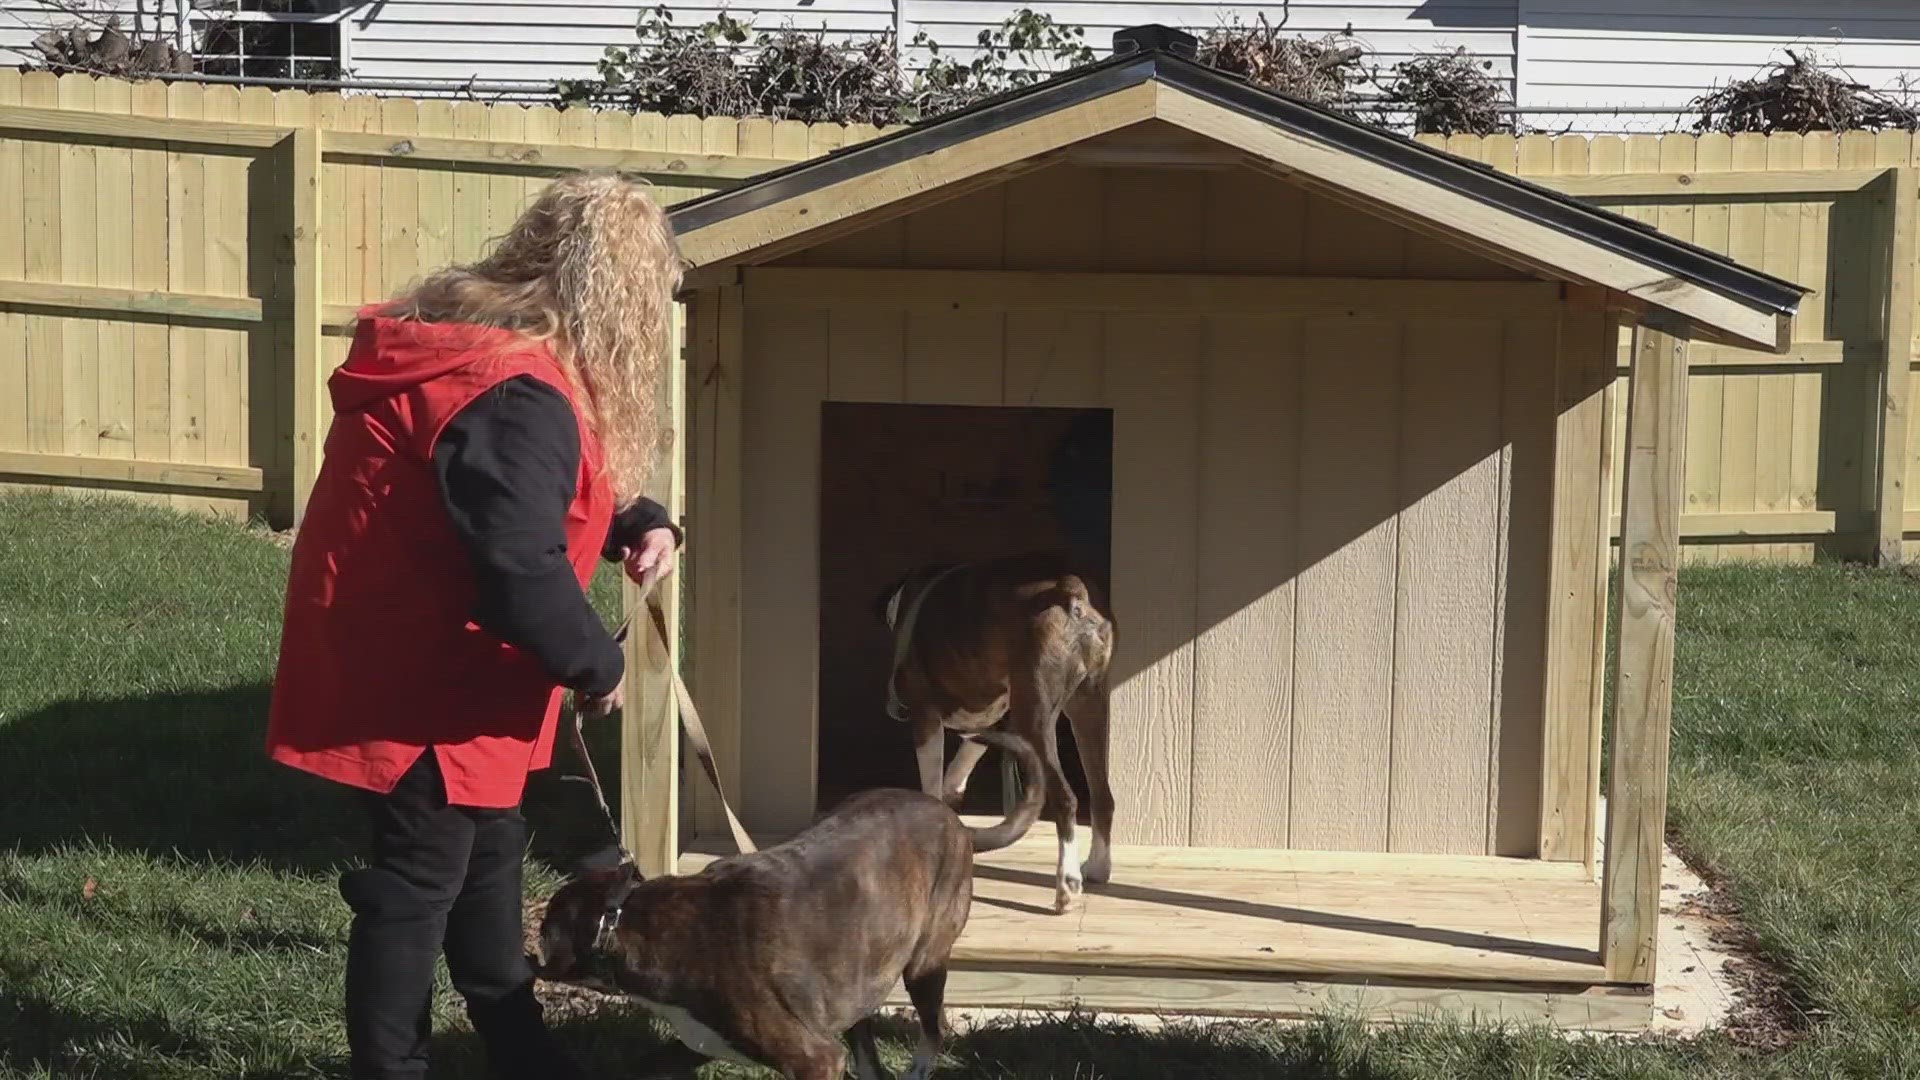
x=1576 y=605
x=309 y=381
x=715 y=379
x=650 y=721
x=1643 y=693
x=1896 y=373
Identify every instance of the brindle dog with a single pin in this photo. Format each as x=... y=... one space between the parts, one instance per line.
x=1022 y=637
x=769 y=958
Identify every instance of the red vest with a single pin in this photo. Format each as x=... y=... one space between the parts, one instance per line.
x=379 y=658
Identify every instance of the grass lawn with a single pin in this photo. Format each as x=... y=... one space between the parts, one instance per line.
x=168 y=904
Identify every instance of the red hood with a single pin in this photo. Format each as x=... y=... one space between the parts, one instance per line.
x=390 y=356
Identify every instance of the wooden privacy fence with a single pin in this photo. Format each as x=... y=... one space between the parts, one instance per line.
x=178 y=265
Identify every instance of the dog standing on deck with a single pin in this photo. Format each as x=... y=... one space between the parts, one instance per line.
x=768 y=958
x=1022 y=638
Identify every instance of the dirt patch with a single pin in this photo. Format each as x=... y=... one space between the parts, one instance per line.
x=1770 y=1014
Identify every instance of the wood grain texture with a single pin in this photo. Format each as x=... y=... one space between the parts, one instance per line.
x=1579 y=547
x=1446 y=586
x=718 y=376
x=225 y=243
x=78 y=416
x=147 y=273
x=265 y=360
x=1344 y=625
x=15 y=426
x=1243 y=657
x=786 y=362
x=1643 y=694
x=1153 y=386
x=187 y=271
x=308 y=288
x=1194 y=994
x=115 y=411
x=1773 y=462
x=1465 y=921
x=1903 y=292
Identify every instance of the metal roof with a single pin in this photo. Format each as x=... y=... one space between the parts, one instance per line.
x=1512 y=194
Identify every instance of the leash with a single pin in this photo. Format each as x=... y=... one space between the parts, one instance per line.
x=690 y=725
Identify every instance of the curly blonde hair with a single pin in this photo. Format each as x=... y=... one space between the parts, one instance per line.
x=590 y=270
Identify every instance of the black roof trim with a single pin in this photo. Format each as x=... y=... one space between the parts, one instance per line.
x=1514 y=194
x=1511 y=193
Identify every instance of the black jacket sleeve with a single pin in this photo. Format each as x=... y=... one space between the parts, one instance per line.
x=636 y=521
x=508 y=465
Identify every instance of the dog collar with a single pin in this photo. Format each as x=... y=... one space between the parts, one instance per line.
x=606 y=934
x=903 y=639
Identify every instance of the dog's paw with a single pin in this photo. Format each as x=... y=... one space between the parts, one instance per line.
x=1099 y=866
x=1068 y=895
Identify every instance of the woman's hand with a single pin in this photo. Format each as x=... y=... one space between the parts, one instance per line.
x=653 y=559
x=602 y=706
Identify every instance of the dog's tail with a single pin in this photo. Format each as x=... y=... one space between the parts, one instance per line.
x=1009 y=831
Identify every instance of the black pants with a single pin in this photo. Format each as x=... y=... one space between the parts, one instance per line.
x=440 y=877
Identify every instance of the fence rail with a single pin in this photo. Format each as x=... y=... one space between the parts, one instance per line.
x=173 y=255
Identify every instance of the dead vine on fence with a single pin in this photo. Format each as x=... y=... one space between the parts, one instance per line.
x=1326 y=71
x=1446 y=94
x=1802 y=95
x=725 y=68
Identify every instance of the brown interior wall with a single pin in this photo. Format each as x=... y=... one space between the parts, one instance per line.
x=1329 y=535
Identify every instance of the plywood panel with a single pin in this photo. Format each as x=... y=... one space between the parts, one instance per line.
x=867 y=355
x=1343 y=629
x=1254 y=223
x=1343 y=241
x=786 y=378
x=1243 y=656
x=1055 y=219
x=1153 y=386
x=1528 y=425
x=955 y=358
x=1054 y=358
x=1446 y=587
x=1154 y=220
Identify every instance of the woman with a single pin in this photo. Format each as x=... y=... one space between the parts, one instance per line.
x=491 y=431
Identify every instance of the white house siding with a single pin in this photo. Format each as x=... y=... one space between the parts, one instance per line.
x=529 y=39
x=532 y=40
x=1572 y=54
x=1649 y=53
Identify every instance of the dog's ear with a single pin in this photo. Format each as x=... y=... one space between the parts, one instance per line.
x=605 y=866
x=886 y=600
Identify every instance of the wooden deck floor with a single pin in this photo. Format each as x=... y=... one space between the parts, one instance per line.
x=1233 y=932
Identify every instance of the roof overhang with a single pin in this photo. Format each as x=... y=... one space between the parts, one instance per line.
x=1499 y=215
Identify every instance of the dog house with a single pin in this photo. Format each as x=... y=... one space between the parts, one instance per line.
x=1344 y=397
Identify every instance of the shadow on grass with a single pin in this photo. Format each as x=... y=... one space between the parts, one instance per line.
x=186 y=775
x=620 y=1041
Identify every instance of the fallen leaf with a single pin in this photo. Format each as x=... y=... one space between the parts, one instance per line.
x=89 y=888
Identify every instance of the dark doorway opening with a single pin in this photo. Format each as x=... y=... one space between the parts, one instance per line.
x=905 y=485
